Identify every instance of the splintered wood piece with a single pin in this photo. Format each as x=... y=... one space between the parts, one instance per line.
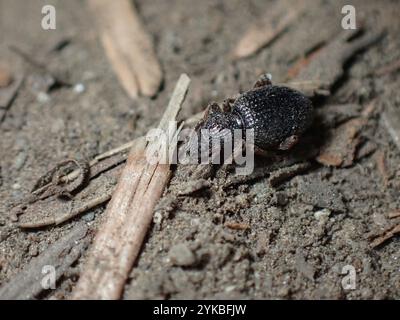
x=8 y=93
x=391 y=121
x=5 y=76
x=394 y=214
x=386 y=235
x=340 y=148
x=271 y=24
x=27 y=284
x=128 y=215
x=128 y=46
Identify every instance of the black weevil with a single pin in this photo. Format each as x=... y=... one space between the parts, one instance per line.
x=278 y=115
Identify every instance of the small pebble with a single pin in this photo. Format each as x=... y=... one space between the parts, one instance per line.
x=16 y=186
x=322 y=214
x=79 y=88
x=42 y=97
x=33 y=251
x=20 y=160
x=88 y=217
x=181 y=255
x=157 y=218
x=230 y=288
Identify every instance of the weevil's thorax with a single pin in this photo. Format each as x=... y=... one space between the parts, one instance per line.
x=274 y=113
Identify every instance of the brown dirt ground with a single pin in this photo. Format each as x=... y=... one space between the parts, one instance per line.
x=286 y=252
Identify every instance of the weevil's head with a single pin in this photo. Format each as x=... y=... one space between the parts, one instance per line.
x=216 y=124
x=213 y=132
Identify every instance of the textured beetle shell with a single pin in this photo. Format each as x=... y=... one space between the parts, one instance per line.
x=274 y=112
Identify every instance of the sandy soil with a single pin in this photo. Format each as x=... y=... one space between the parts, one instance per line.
x=297 y=236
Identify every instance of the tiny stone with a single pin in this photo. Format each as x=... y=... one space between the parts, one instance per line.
x=157 y=218
x=42 y=97
x=230 y=288
x=181 y=255
x=79 y=88
x=16 y=186
x=88 y=217
x=322 y=214
x=33 y=251
x=20 y=160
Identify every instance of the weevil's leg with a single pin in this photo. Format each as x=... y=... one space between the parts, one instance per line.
x=263 y=80
x=258 y=151
x=228 y=103
x=289 y=142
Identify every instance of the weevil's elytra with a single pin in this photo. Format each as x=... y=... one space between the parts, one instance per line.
x=278 y=115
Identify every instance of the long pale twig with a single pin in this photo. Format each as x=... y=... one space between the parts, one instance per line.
x=128 y=215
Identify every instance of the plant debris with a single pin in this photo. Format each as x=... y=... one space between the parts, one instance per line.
x=128 y=46
x=384 y=236
x=340 y=149
x=27 y=284
x=128 y=214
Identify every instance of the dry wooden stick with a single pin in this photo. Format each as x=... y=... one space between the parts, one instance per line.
x=128 y=46
x=128 y=216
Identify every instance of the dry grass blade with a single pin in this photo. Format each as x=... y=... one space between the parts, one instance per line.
x=128 y=216
x=128 y=46
x=68 y=215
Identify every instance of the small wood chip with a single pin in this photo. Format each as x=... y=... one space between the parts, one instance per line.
x=8 y=93
x=381 y=166
x=128 y=46
x=394 y=214
x=386 y=235
x=237 y=225
x=341 y=147
x=5 y=77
